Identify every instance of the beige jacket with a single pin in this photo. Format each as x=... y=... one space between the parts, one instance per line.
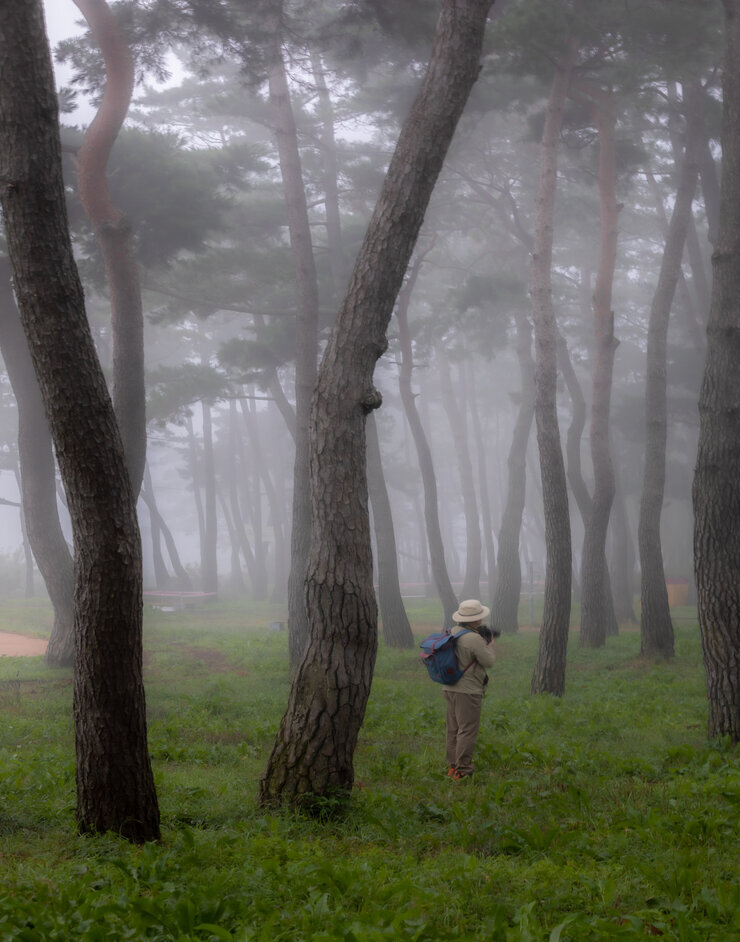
x=472 y=648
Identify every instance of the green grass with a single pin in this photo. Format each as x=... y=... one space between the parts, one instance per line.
x=604 y=815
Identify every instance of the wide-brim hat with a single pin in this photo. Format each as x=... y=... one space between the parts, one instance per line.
x=471 y=610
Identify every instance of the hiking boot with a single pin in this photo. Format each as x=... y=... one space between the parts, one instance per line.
x=459 y=776
x=451 y=771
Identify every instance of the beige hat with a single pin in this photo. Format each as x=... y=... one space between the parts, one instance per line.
x=471 y=610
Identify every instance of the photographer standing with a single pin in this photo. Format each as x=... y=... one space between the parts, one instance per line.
x=474 y=653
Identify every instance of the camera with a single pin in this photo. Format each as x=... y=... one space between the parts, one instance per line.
x=488 y=633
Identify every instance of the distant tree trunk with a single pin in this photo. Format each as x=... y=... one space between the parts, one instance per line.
x=209 y=561
x=115 y=787
x=254 y=559
x=623 y=561
x=710 y=184
x=38 y=479
x=162 y=578
x=313 y=753
x=236 y=577
x=396 y=627
x=147 y=495
x=656 y=627
x=113 y=232
x=575 y=431
x=716 y=490
x=485 y=500
x=438 y=565
x=458 y=428
x=505 y=607
x=549 y=672
x=596 y=605
x=27 y=552
x=306 y=333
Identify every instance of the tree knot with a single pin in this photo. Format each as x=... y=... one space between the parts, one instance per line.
x=371 y=400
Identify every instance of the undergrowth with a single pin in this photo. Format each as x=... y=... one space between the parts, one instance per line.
x=602 y=815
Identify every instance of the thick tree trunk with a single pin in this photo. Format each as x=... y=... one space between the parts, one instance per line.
x=505 y=606
x=716 y=490
x=38 y=479
x=306 y=334
x=549 y=672
x=458 y=427
x=114 y=235
x=440 y=575
x=115 y=787
x=596 y=605
x=314 y=750
x=396 y=627
x=656 y=627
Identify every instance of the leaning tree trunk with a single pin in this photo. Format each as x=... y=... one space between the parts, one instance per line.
x=113 y=232
x=656 y=627
x=38 y=480
x=301 y=246
x=182 y=579
x=716 y=491
x=115 y=786
x=596 y=606
x=440 y=575
x=458 y=427
x=549 y=672
x=505 y=605
x=314 y=749
x=396 y=627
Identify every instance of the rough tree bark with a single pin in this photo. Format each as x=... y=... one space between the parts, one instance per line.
x=113 y=232
x=716 y=490
x=440 y=575
x=656 y=627
x=396 y=627
x=314 y=749
x=505 y=604
x=115 y=786
x=549 y=672
x=38 y=479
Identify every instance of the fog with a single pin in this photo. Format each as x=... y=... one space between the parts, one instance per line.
x=197 y=172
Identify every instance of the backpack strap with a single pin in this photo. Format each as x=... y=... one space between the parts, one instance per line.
x=464 y=631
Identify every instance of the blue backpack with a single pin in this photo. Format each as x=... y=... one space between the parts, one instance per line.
x=438 y=656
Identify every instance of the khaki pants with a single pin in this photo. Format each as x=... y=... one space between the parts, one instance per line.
x=462 y=722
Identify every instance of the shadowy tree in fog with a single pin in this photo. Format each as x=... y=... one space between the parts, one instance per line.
x=716 y=490
x=38 y=479
x=314 y=749
x=115 y=787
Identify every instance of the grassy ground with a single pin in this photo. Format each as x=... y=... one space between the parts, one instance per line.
x=604 y=815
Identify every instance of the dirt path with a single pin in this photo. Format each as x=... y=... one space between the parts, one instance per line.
x=20 y=646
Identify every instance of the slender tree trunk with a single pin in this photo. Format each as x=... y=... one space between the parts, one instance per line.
x=656 y=627
x=396 y=627
x=505 y=608
x=716 y=490
x=236 y=576
x=313 y=753
x=438 y=565
x=306 y=334
x=623 y=561
x=458 y=427
x=549 y=672
x=209 y=561
x=38 y=479
x=183 y=580
x=115 y=786
x=253 y=559
x=113 y=232
x=596 y=606
x=485 y=500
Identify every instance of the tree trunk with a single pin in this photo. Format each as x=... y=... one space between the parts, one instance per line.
x=314 y=750
x=458 y=427
x=596 y=606
x=549 y=672
x=209 y=560
x=656 y=627
x=623 y=561
x=147 y=495
x=396 y=627
x=438 y=565
x=485 y=500
x=716 y=490
x=306 y=334
x=505 y=607
x=115 y=787
x=38 y=479
x=113 y=232
x=254 y=560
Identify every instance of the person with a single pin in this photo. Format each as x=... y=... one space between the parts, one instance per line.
x=465 y=698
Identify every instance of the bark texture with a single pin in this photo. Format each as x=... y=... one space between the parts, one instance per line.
x=549 y=671
x=113 y=232
x=396 y=627
x=38 y=479
x=716 y=491
x=656 y=627
x=115 y=787
x=314 y=749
